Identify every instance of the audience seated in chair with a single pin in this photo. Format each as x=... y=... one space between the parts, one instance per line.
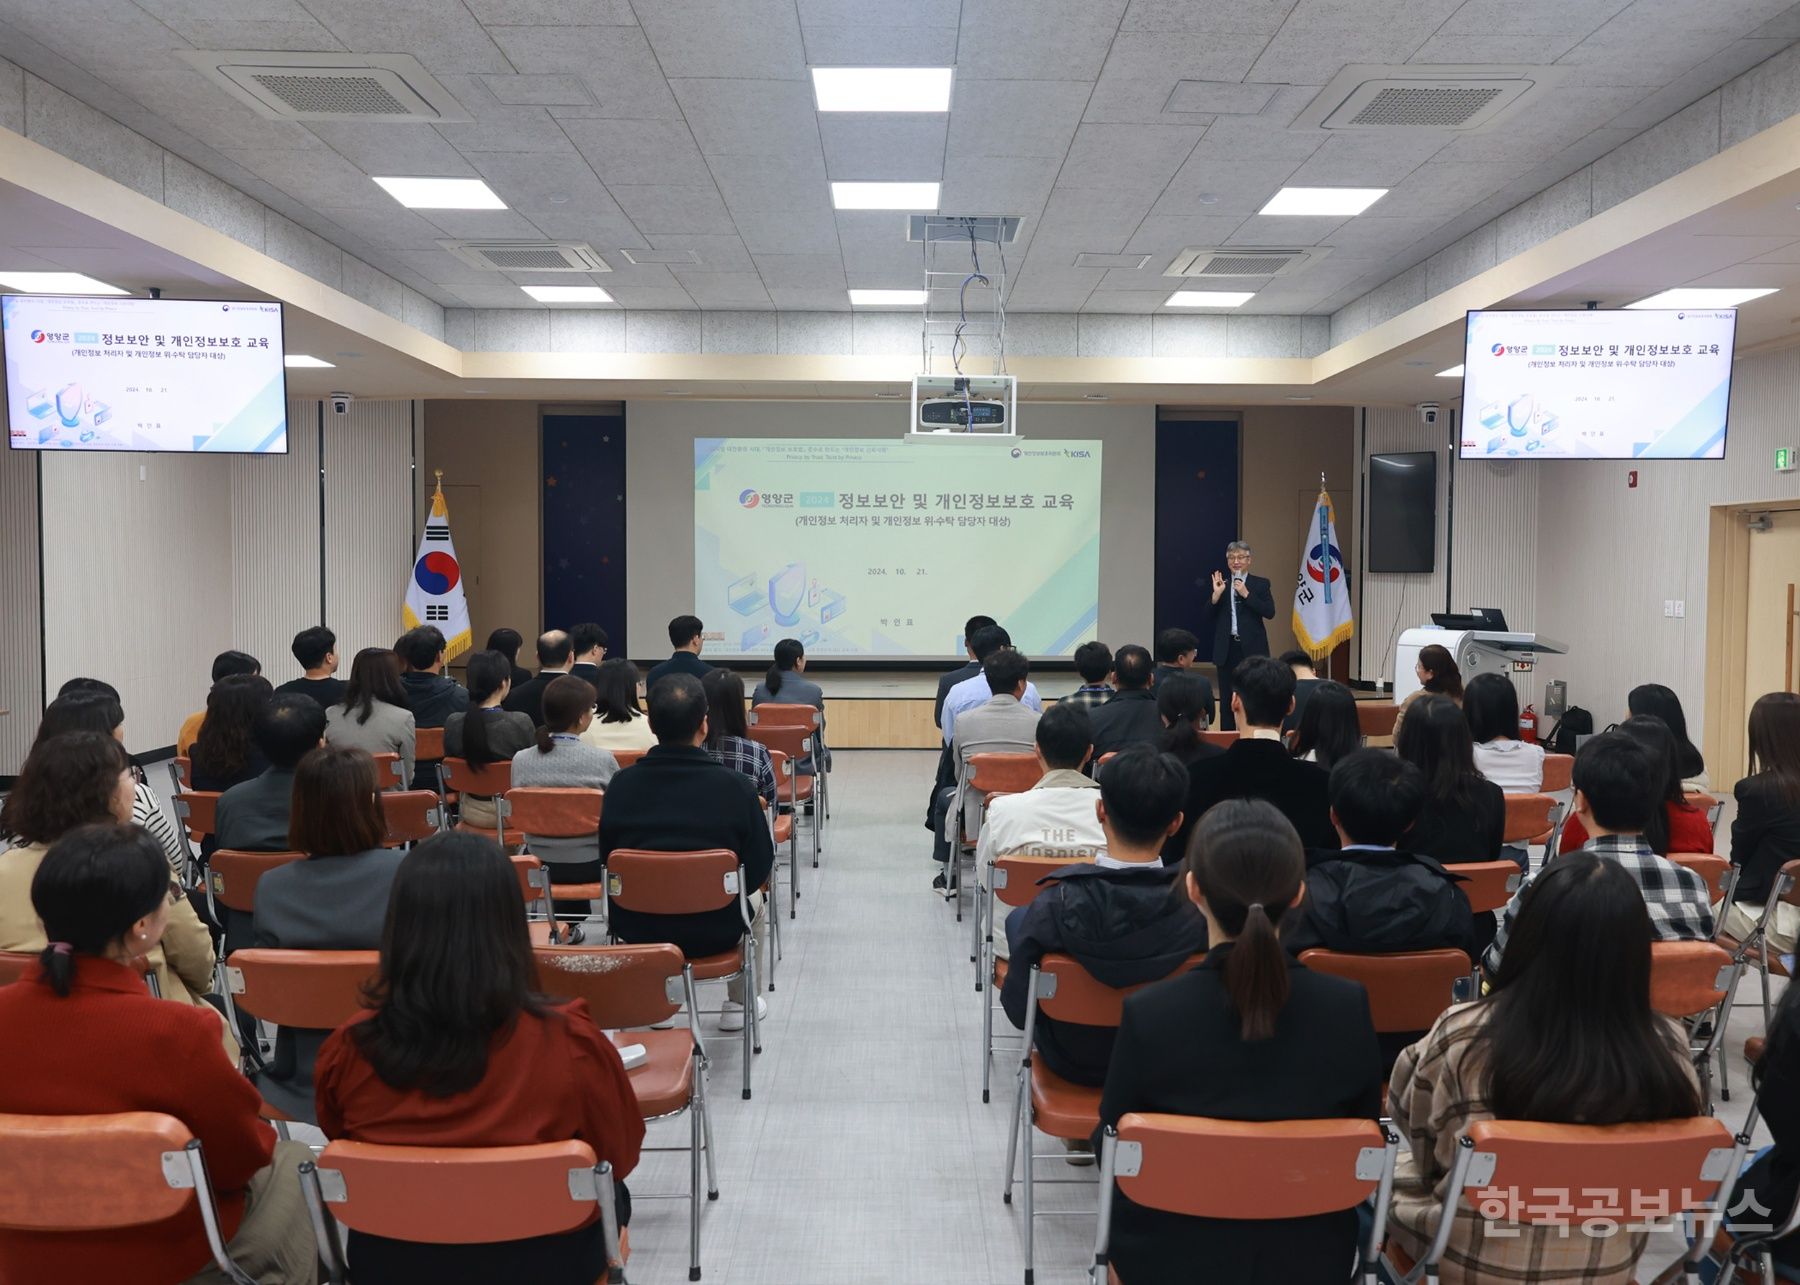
x=974 y=692
x=1438 y=675
x=971 y=627
x=786 y=683
x=587 y=646
x=1370 y=897
x=1119 y=916
x=375 y=716
x=507 y=642
x=1248 y=1035
x=1329 y=729
x=225 y=664
x=558 y=757
x=1131 y=717
x=1257 y=765
x=430 y=694
x=1056 y=817
x=335 y=899
x=728 y=733
x=84 y=1037
x=487 y=733
x=225 y=753
x=619 y=722
x=555 y=653
x=1676 y=825
x=1765 y=835
x=1306 y=682
x=1566 y=1036
x=1766 y=1192
x=90 y=705
x=678 y=798
x=81 y=779
x=459 y=1052
x=1177 y=652
x=1094 y=662
x=1662 y=702
x=253 y=817
x=315 y=649
x=1617 y=792
x=1002 y=724
x=687 y=635
x=1184 y=706
x=1491 y=706
x=1464 y=817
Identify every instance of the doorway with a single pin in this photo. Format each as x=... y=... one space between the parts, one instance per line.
x=1753 y=632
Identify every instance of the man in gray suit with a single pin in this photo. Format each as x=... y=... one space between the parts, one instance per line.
x=1001 y=725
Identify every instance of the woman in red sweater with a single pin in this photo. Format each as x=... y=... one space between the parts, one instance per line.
x=1679 y=826
x=458 y=1052
x=85 y=1037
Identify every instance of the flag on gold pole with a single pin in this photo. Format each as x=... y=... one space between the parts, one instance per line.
x=434 y=589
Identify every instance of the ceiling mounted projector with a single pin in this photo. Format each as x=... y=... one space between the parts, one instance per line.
x=961 y=407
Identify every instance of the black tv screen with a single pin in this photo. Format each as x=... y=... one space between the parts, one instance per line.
x=1402 y=500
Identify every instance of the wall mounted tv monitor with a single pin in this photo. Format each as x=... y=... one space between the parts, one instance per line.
x=117 y=374
x=1624 y=384
x=1402 y=500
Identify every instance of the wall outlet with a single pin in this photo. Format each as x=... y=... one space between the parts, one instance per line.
x=1680 y=609
x=1668 y=608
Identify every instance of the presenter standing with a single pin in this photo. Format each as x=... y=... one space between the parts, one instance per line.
x=1240 y=604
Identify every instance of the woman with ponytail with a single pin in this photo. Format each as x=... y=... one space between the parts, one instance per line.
x=1184 y=704
x=84 y=1037
x=560 y=758
x=1247 y=1035
x=486 y=733
x=786 y=683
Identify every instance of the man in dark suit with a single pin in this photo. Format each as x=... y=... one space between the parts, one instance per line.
x=1130 y=717
x=553 y=652
x=1240 y=604
x=678 y=798
x=588 y=641
x=971 y=627
x=1258 y=766
x=685 y=635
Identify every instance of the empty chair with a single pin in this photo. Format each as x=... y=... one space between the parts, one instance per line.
x=410 y=816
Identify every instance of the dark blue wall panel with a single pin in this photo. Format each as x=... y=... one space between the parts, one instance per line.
x=584 y=523
x=1196 y=517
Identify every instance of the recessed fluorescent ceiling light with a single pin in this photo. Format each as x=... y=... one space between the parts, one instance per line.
x=885 y=196
x=567 y=294
x=1208 y=298
x=1694 y=297
x=1455 y=372
x=442 y=193
x=56 y=283
x=876 y=298
x=1323 y=200
x=882 y=89
x=300 y=361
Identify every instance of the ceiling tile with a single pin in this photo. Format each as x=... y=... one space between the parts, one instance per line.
x=725 y=38
x=1301 y=55
x=750 y=117
x=809 y=231
x=1422 y=16
x=1144 y=67
x=206 y=111
x=600 y=227
x=1218 y=98
x=1036 y=39
x=538 y=91
x=760 y=183
x=657 y=209
x=531 y=182
x=1368 y=237
x=716 y=253
x=1090 y=219
x=1162 y=235
x=1698 y=81
x=509 y=224
x=652 y=297
x=861 y=13
x=804 y=300
x=1564 y=116
x=640 y=152
x=1139 y=156
x=1262 y=17
x=1378 y=159
x=886 y=146
x=443 y=268
x=441 y=34
x=1529 y=17
x=93 y=33
x=393 y=149
x=874 y=245
x=1211 y=185
x=553 y=13
x=395 y=229
x=615 y=63
x=802 y=271
x=1527 y=50
x=723 y=289
x=317 y=177
x=1622 y=53
x=1016 y=185
x=302 y=35
x=1015 y=117
x=1275 y=231
x=880 y=46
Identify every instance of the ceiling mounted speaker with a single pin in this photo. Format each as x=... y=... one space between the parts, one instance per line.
x=391 y=88
x=1460 y=99
x=528 y=256
x=1246 y=262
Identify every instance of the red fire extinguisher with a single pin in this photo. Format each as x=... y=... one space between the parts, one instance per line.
x=1528 y=726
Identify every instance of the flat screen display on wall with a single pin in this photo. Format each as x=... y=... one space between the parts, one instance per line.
x=110 y=374
x=1402 y=503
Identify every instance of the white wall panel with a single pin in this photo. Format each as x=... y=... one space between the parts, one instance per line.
x=21 y=690
x=368 y=521
x=275 y=545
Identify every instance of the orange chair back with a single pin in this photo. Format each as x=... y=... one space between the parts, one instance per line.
x=1528 y=817
x=553 y=812
x=493 y=780
x=1488 y=885
x=233 y=875
x=997 y=773
x=672 y=883
x=1580 y=1174
x=1407 y=990
x=791 y=741
x=1016 y=876
x=1377 y=718
x=533 y=879
x=412 y=816
x=1559 y=773
x=317 y=990
x=428 y=744
x=456 y=1195
x=625 y=758
x=1701 y=800
x=1224 y=740
x=1069 y=993
x=775 y=714
x=1234 y=1169
x=16 y=964
x=1715 y=870
x=1687 y=978
x=387 y=771
x=623 y=985
x=86 y=1173
x=184 y=769
x=198 y=810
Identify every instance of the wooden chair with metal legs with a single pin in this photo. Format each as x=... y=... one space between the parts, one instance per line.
x=693 y=883
x=1489 y=885
x=1689 y=981
x=390 y=772
x=628 y=987
x=1408 y=990
x=1720 y=874
x=1012 y=881
x=457 y=777
x=86 y=1175
x=1599 y=1177
x=231 y=881
x=428 y=752
x=196 y=820
x=797 y=790
x=1559 y=773
x=777 y=713
x=309 y=990
x=411 y=816
x=553 y=812
x=1753 y=950
x=1246 y=1172
x=457 y=1195
x=990 y=774
x=1534 y=818
x=783 y=830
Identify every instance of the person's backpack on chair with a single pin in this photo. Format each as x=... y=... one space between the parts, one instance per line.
x=1576 y=722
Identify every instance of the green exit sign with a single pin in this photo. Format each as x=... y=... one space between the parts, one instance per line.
x=1785 y=459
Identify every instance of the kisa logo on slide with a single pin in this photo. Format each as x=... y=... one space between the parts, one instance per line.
x=749 y=498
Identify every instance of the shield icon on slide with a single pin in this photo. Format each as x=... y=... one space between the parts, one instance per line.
x=787 y=592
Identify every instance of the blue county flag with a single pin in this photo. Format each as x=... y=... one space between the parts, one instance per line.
x=434 y=590
x=1322 y=615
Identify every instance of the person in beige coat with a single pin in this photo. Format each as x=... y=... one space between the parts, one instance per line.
x=76 y=779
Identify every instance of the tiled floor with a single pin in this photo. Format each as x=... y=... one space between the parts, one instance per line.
x=866 y=1156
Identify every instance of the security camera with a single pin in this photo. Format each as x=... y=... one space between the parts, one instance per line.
x=1428 y=412
x=340 y=403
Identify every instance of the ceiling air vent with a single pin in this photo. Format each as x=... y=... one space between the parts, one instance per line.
x=1461 y=99
x=528 y=256
x=330 y=87
x=1217 y=263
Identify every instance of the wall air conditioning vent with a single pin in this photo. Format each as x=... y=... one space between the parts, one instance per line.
x=528 y=256
x=1216 y=263
x=391 y=88
x=1460 y=99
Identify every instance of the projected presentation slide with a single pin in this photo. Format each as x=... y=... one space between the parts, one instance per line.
x=1626 y=384
x=144 y=375
x=884 y=548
